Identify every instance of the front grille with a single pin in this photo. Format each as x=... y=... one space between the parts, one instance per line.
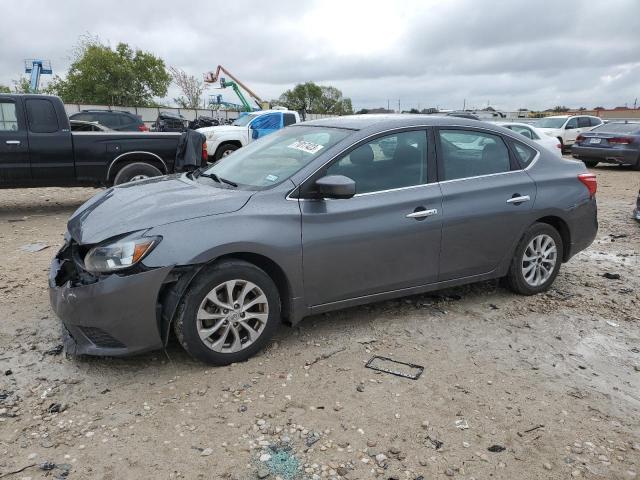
x=100 y=338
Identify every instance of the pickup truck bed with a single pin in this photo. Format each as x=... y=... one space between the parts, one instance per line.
x=38 y=149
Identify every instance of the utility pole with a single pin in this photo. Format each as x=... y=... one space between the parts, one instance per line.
x=398 y=105
x=464 y=104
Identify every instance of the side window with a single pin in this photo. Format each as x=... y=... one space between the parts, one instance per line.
x=42 y=116
x=8 y=117
x=524 y=153
x=85 y=117
x=584 y=122
x=268 y=121
x=595 y=121
x=522 y=131
x=108 y=120
x=289 y=119
x=572 y=123
x=386 y=163
x=466 y=153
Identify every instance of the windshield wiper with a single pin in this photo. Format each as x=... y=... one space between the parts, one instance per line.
x=218 y=179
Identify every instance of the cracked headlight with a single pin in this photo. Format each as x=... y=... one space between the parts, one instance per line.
x=121 y=254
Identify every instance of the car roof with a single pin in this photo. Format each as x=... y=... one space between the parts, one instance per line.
x=397 y=120
x=519 y=124
x=97 y=110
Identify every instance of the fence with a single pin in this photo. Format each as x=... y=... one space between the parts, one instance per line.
x=149 y=114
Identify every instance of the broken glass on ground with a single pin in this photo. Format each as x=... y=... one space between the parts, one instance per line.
x=394 y=367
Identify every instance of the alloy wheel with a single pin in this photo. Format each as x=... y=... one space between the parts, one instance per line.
x=539 y=260
x=232 y=316
x=139 y=177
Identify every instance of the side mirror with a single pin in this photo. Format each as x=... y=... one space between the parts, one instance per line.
x=336 y=186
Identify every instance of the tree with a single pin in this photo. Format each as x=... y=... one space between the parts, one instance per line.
x=560 y=108
x=120 y=76
x=598 y=108
x=4 y=89
x=22 y=85
x=362 y=111
x=309 y=97
x=191 y=87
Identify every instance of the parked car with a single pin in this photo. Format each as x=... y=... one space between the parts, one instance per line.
x=566 y=128
x=203 y=121
x=529 y=131
x=613 y=142
x=467 y=115
x=170 y=122
x=119 y=120
x=226 y=139
x=38 y=148
x=81 y=126
x=313 y=218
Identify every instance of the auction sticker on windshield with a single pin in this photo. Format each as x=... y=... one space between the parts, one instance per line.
x=308 y=147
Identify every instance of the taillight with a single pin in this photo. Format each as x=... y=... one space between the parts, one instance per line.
x=621 y=140
x=143 y=128
x=579 y=138
x=205 y=153
x=589 y=181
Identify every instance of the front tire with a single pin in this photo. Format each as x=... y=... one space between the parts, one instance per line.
x=536 y=261
x=136 y=171
x=228 y=314
x=224 y=150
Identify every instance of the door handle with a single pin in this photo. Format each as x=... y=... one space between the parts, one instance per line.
x=423 y=213
x=12 y=142
x=520 y=199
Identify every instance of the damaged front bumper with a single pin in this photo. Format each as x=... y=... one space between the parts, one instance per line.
x=107 y=315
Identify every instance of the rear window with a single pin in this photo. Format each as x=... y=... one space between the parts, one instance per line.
x=289 y=119
x=618 y=128
x=524 y=153
x=595 y=121
x=584 y=122
x=41 y=115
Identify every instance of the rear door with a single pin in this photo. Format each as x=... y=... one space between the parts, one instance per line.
x=571 y=131
x=50 y=143
x=14 y=143
x=486 y=201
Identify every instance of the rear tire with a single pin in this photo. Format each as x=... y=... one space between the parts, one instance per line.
x=589 y=163
x=219 y=331
x=535 y=266
x=136 y=171
x=562 y=147
x=224 y=150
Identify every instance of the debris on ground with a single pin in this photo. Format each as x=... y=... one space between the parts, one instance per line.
x=394 y=367
x=611 y=276
x=34 y=247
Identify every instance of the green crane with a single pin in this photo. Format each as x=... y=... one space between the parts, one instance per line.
x=235 y=84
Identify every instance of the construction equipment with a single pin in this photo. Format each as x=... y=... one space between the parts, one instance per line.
x=36 y=68
x=235 y=84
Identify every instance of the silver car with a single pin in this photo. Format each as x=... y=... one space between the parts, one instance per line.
x=316 y=217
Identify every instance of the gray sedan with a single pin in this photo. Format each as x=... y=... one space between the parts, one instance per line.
x=316 y=217
x=614 y=142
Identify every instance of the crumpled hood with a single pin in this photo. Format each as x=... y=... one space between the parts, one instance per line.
x=150 y=203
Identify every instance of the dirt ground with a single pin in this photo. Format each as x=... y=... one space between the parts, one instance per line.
x=543 y=387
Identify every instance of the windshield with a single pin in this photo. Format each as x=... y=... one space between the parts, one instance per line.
x=550 y=123
x=617 y=128
x=274 y=158
x=244 y=120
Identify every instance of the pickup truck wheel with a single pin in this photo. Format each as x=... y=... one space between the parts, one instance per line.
x=135 y=171
x=224 y=150
x=228 y=314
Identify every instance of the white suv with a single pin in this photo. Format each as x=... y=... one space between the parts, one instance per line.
x=567 y=127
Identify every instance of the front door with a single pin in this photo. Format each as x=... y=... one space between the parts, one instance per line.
x=486 y=201
x=385 y=238
x=14 y=144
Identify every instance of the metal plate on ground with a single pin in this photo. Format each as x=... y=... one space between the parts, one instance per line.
x=394 y=367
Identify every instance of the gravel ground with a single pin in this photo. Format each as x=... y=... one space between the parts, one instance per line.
x=513 y=387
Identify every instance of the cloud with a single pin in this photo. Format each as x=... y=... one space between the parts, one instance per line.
x=513 y=54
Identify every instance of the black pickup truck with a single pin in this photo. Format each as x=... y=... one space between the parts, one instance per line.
x=38 y=148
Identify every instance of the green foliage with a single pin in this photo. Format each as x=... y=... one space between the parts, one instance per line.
x=22 y=85
x=309 y=97
x=105 y=76
x=191 y=87
x=4 y=89
x=560 y=108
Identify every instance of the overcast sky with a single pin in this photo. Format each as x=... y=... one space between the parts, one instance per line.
x=513 y=54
